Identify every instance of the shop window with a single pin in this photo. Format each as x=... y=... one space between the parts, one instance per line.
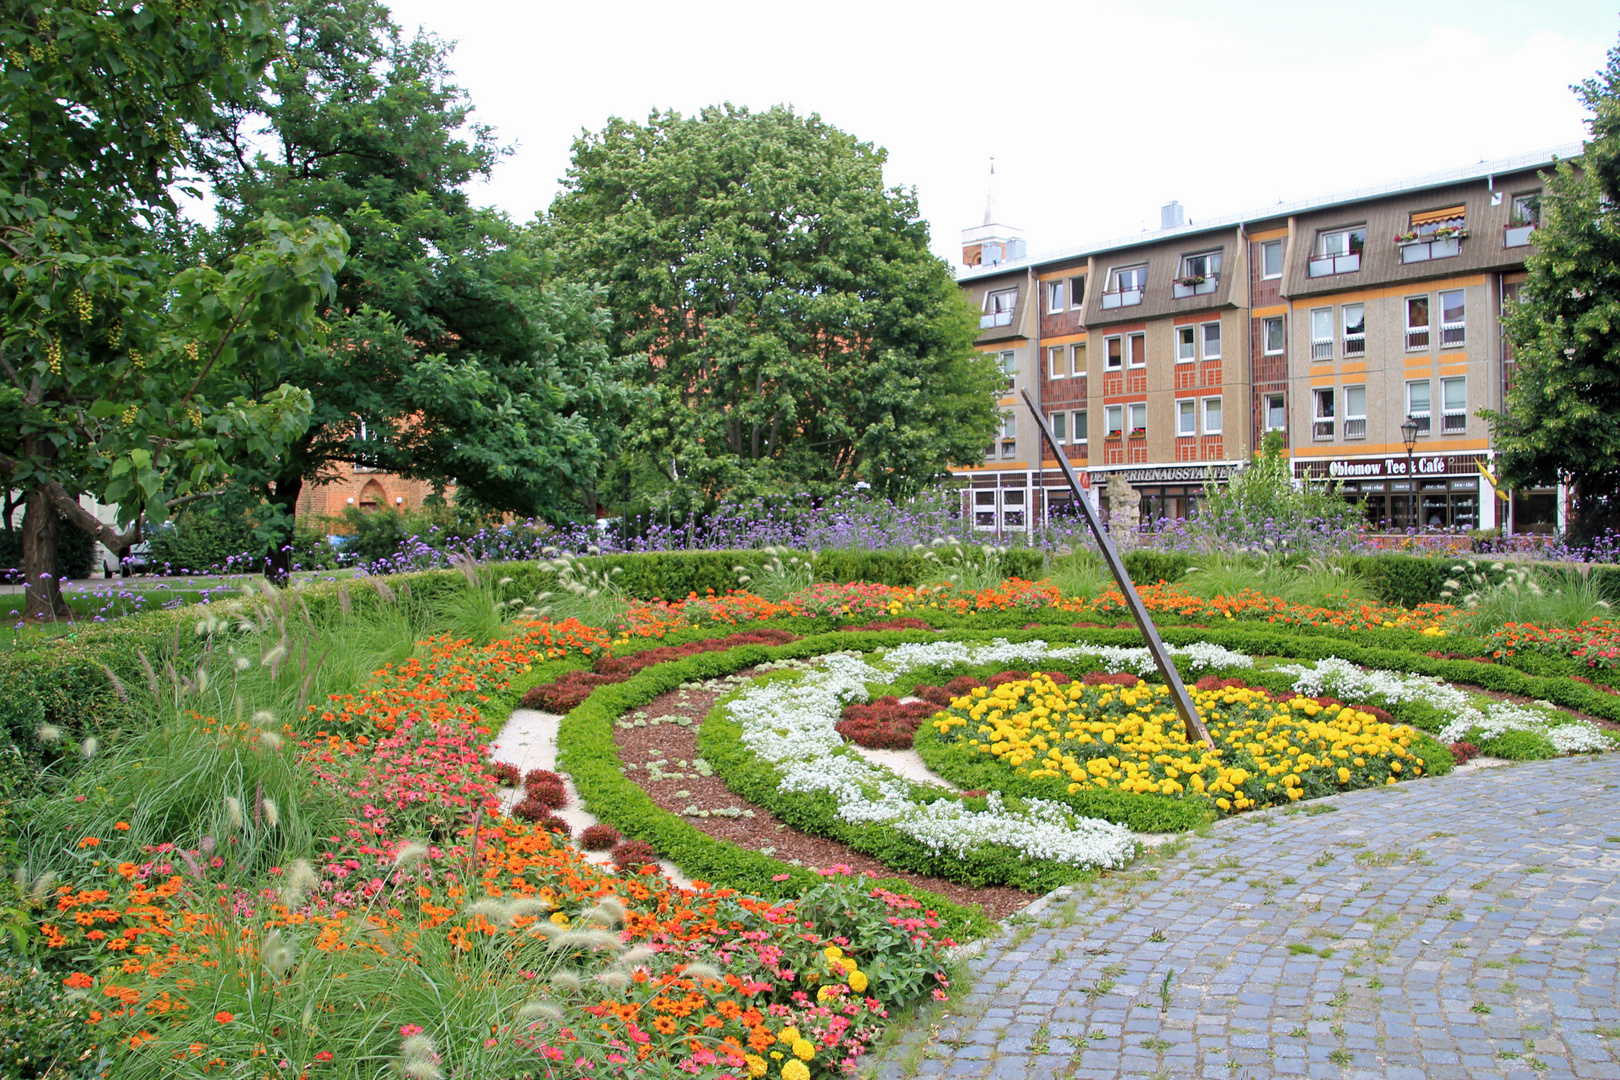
x=1355 y=412
x=1212 y=416
x=1355 y=330
x=1418 y=404
x=1535 y=511
x=1454 y=401
x=1212 y=341
x=1186 y=417
x=1322 y=420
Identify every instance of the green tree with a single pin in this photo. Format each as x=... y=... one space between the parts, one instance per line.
x=1561 y=418
x=781 y=303
x=118 y=372
x=455 y=351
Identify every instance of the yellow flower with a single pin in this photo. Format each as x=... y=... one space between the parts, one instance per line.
x=824 y=993
x=788 y=1035
x=833 y=952
x=756 y=1065
x=795 y=1070
x=857 y=981
x=803 y=1049
x=559 y=918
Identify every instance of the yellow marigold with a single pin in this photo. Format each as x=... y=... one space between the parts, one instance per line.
x=795 y=1070
x=803 y=1049
x=788 y=1035
x=857 y=981
x=833 y=952
x=756 y=1065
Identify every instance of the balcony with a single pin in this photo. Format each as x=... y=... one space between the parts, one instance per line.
x=1321 y=351
x=1327 y=265
x=1355 y=345
x=1195 y=286
x=1416 y=251
x=1451 y=335
x=1121 y=298
x=994 y=319
x=1517 y=235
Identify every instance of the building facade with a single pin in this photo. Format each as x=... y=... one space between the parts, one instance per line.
x=1165 y=359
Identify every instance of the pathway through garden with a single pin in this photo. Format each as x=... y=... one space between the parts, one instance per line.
x=1458 y=927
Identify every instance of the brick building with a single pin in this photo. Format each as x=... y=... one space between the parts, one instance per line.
x=1165 y=357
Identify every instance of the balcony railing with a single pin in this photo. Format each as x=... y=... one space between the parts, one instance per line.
x=1355 y=345
x=1121 y=298
x=1422 y=419
x=1417 y=337
x=1198 y=288
x=1322 y=430
x=1321 y=350
x=1451 y=335
x=1517 y=235
x=1423 y=250
x=995 y=318
x=1355 y=427
x=1454 y=423
x=1324 y=265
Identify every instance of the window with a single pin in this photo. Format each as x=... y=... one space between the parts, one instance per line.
x=1338 y=251
x=1077 y=292
x=984 y=509
x=1000 y=306
x=1080 y=426
x=1137 y=349
x=1452 y=318
x=1012 y=509
x=1271 y=335
x=1009 y=365
x=1054 y=297
x=1526 y=209
x=1212 y=416
x=1355 y=330
x=1058 y=359
x=1186 y=344
x=1200 y=274
x=1113 y=419
x=1355 y=412
x=1139 y=418
x=1434 y=234
x=1113 y=346
x=1009 y=425
x=1417 y=404
x=1322 y=420
x=1186 y=417
x=1276 y=412
x=1212 y=341
x=1417 y=322
x=1454 y=400
x=1125 y=285
x=1077 y=359
x=1271 y=259
x=1321 y=335
x=1060 y=427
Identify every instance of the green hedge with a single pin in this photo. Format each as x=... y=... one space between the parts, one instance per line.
x=1148 y=567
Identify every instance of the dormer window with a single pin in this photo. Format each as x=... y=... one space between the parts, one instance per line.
x=998 y=308
x=1200 y=274
x=1125 y=286
x=1434 y=234
x=1338 y=251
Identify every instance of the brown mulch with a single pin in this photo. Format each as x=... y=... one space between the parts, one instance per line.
x=673 y=742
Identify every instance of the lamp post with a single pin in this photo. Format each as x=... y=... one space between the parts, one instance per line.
x=1409 y=434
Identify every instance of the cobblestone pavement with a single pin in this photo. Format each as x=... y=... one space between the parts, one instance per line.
x=1459 y=927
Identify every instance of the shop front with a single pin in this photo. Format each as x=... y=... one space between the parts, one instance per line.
x=1439 y=491
x=1167 y=492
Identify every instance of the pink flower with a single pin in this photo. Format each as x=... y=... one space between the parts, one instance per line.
x=324 y=1055
x=407 y=1030
x=780 y=877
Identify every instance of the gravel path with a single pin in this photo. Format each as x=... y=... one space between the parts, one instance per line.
x=1452 y=928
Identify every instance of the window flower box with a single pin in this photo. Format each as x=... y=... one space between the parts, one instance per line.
x=1138 y=432
x=1113 y=436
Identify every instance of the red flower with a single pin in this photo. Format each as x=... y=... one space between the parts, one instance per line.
x=224 y=1017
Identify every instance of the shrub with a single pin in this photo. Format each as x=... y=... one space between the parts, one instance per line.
x=633 y=854
x=885 y=724
x=547 y=796
x=530 y=809
x=506 y=773
x=541 y=776
x=599 y=838
x=45 y=1033
x=554 y=824
x=907 y=623
x=1519 y=746
x=1463 y=752
x=1146 y=566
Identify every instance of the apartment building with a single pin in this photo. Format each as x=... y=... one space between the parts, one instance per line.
x=1166 y=357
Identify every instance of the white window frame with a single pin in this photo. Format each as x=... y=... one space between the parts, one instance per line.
x=1447 y=414
x=1526 y=201
x=1057 y=356
x=987 y=501
x=1077 y=359
x=1113 y=419
x=1135 y=358
x=1186 y=417
x=1108 y=358
x=1137 y=410
x=1453 y=333
x=1186 y=350
x=1355 y=342
x=1117 y=296
x=1220 y=417
x=1268 y=245
x=1054 y=297
x=1009 y=425
x=1323 y=425
x=1077 y=297
x=1281 y=401
x=1342 y=258
x=1009 y=364
x=1423 y=416
x=1265 y=336
x=1321 y=335
x=1203 y=339
x=1355 y=423
x=1415 y=333
x=1212 y=263
x=1078 y=428
x=993 y=301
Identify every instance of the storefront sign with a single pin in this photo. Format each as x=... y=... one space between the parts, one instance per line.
x=1389 y=465
x=1169 y=474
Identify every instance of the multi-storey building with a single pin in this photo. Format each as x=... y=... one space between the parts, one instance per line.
x=1166 y=357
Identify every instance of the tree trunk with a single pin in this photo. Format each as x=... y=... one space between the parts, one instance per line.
x=278 y=567
x=41 y=536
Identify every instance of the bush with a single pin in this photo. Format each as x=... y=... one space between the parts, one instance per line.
x=599 y=838
x=633 y=854
x=541 y=776
x=506 y=773
x=547 y=796
x=1519 y=746
x=1146 y=566
x=45 y=1033
x=204 y=537
x=1463 y=752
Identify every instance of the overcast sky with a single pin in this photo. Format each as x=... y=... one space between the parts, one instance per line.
x=1096 y=113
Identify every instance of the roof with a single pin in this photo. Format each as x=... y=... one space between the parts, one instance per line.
x=1516 y=163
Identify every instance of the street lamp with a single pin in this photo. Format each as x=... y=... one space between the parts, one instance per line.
x=1409 y=434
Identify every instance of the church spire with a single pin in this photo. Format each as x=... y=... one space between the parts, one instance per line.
x=990 y=194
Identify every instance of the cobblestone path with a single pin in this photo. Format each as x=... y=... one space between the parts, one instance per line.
x=1459 y=927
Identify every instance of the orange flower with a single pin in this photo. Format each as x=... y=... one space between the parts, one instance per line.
x=223 y=1017
x=78 y=980
x=664 y=1026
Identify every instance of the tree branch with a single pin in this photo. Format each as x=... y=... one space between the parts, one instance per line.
x=69 y=508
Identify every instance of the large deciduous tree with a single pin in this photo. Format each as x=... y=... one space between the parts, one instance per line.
x=455 y=352
x=1561 y=420
x=782 y=302
x=118 y=374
